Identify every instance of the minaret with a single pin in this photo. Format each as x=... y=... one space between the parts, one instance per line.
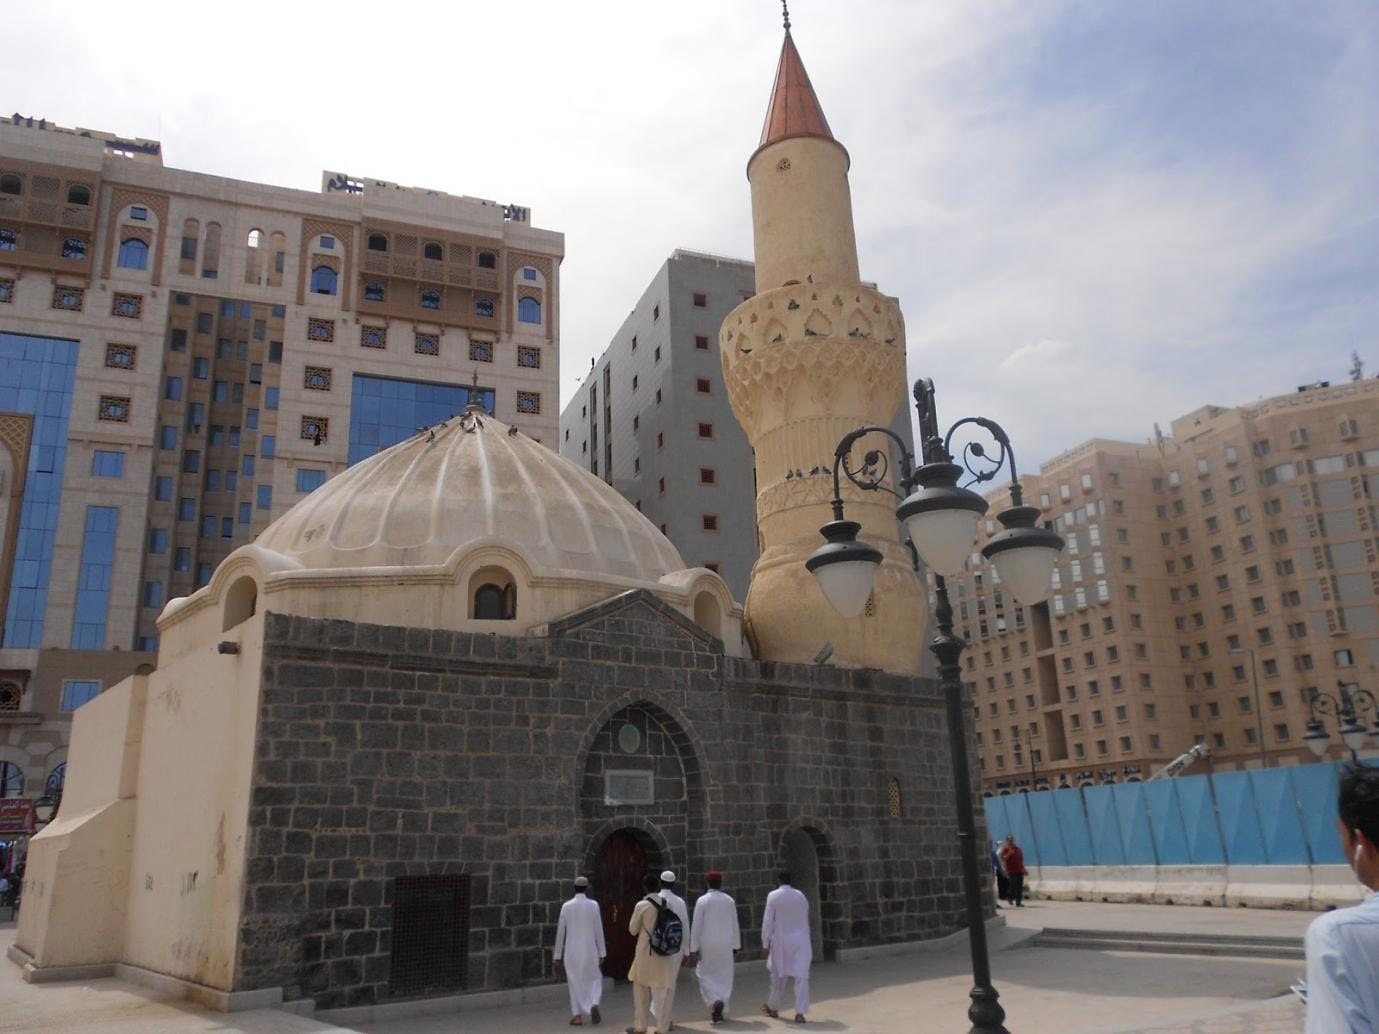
x=813 y=355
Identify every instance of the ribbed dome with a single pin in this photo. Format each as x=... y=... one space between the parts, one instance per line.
x=418 y=502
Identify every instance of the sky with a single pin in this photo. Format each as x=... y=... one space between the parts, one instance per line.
x=1097 y=214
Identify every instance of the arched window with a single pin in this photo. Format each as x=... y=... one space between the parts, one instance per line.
x=11 y=184
x=378 y=242
x=430 y=298
x=191 y=237
x=431 y=250
x=488 y=603
x=11 y=780
x=324 y=280
x=133 y=254
x=56 y=780
x=529 y=310
x=78 y=194
x=483 y=307
x=241 y=600
x=9 y=239
x=210 y=258
x=255 y=237
x=493 y=595
x=488 y=260
x=893 y=798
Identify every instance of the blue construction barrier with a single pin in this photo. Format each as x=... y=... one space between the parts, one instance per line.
x=1274 y=816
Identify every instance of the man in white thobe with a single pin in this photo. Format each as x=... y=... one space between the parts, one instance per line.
x=714 y=942
x=664 y=1020
x=579 y=948
x=785 y=943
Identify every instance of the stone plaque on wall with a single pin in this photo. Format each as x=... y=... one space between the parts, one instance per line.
x=628 y=786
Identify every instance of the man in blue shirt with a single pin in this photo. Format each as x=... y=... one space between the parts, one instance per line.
x=1343 y=946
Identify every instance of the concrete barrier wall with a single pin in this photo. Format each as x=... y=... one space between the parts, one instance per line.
x=1263 y=837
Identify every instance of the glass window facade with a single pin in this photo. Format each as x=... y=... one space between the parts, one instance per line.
x=265 y=496
x=39 y=373
x=107 y=464
x=94 y=577
x=76 y=692
x=308 y=480
x=384 y=411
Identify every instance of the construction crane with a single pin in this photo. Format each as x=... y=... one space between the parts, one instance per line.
x=1176 y=767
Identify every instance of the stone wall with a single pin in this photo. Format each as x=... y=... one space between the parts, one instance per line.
x=386 y=752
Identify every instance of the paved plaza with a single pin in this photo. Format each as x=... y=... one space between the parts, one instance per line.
x=1045 y=990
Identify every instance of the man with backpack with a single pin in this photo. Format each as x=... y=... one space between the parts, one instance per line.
x=660 y=937
x=677 y=905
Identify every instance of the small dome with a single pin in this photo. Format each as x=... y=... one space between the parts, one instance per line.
x=471 y=479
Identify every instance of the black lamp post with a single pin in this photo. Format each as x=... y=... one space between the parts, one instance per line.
x=1349 y=703
x=941 y=518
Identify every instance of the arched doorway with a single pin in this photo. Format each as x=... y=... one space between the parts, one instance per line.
x=799 y=855
x=623 y=859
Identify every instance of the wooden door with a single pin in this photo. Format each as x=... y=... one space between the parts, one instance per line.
x=618 y=887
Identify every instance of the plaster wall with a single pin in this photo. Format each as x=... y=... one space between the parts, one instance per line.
x=802 y=214
x=187 y=867
x=78 y=866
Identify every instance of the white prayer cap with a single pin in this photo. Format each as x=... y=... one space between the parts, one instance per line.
x=667 y=877
x=581 y=881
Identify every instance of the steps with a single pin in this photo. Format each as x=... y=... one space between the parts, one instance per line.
x=1172 y=943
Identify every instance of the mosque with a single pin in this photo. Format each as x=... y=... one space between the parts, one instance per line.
x=382 y=740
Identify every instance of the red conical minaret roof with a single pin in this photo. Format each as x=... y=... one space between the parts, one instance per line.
x=794 y=109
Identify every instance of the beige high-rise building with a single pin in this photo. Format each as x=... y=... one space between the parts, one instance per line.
x=1213 y=579
x=183 y=357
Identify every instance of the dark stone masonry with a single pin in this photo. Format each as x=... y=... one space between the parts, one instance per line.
x=510 y=764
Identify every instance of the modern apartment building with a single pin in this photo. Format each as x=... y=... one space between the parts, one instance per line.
x=183 y=357
x=652 y=418
x=1214 y=580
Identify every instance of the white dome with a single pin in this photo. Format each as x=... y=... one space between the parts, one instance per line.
x=417 y=503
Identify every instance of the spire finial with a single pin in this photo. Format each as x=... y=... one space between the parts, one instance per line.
x=785 y=13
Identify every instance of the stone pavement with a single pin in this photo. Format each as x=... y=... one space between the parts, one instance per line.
x=1044 y=990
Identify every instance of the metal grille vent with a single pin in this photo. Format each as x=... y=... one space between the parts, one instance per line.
x=430 y=934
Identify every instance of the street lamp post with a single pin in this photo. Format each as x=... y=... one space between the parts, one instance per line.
x=1259 y=710
x=1349 y=703
x=941 y=519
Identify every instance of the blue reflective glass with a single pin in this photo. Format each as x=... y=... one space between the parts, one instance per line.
x=323 y=280
x=251 y=419
x=133 y=255
x=212 y=480
x=385 y=411
x=186 y=509
x=248 y=469
x=158 y=540
x=529 y=310
x=76 y=692
x=246 y=513
x=231 y=480
x=208 y=526
x=37 y=380
x=265 y=497
x=148 y=643
x=162 y=489
x=308 y=480
x=270 y=398
x=182 y=559
x=167 y=437
x=93 y=577
x=106 y=464
x=153 y=594
x=201 y=367
x=172 y=388
x=227 y=527
x=203 y=574
x=268 y=448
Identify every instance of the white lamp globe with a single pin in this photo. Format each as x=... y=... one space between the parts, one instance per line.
x=1024 y=554
x=1316 y=738
x=845 y=567
x=941 y=518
